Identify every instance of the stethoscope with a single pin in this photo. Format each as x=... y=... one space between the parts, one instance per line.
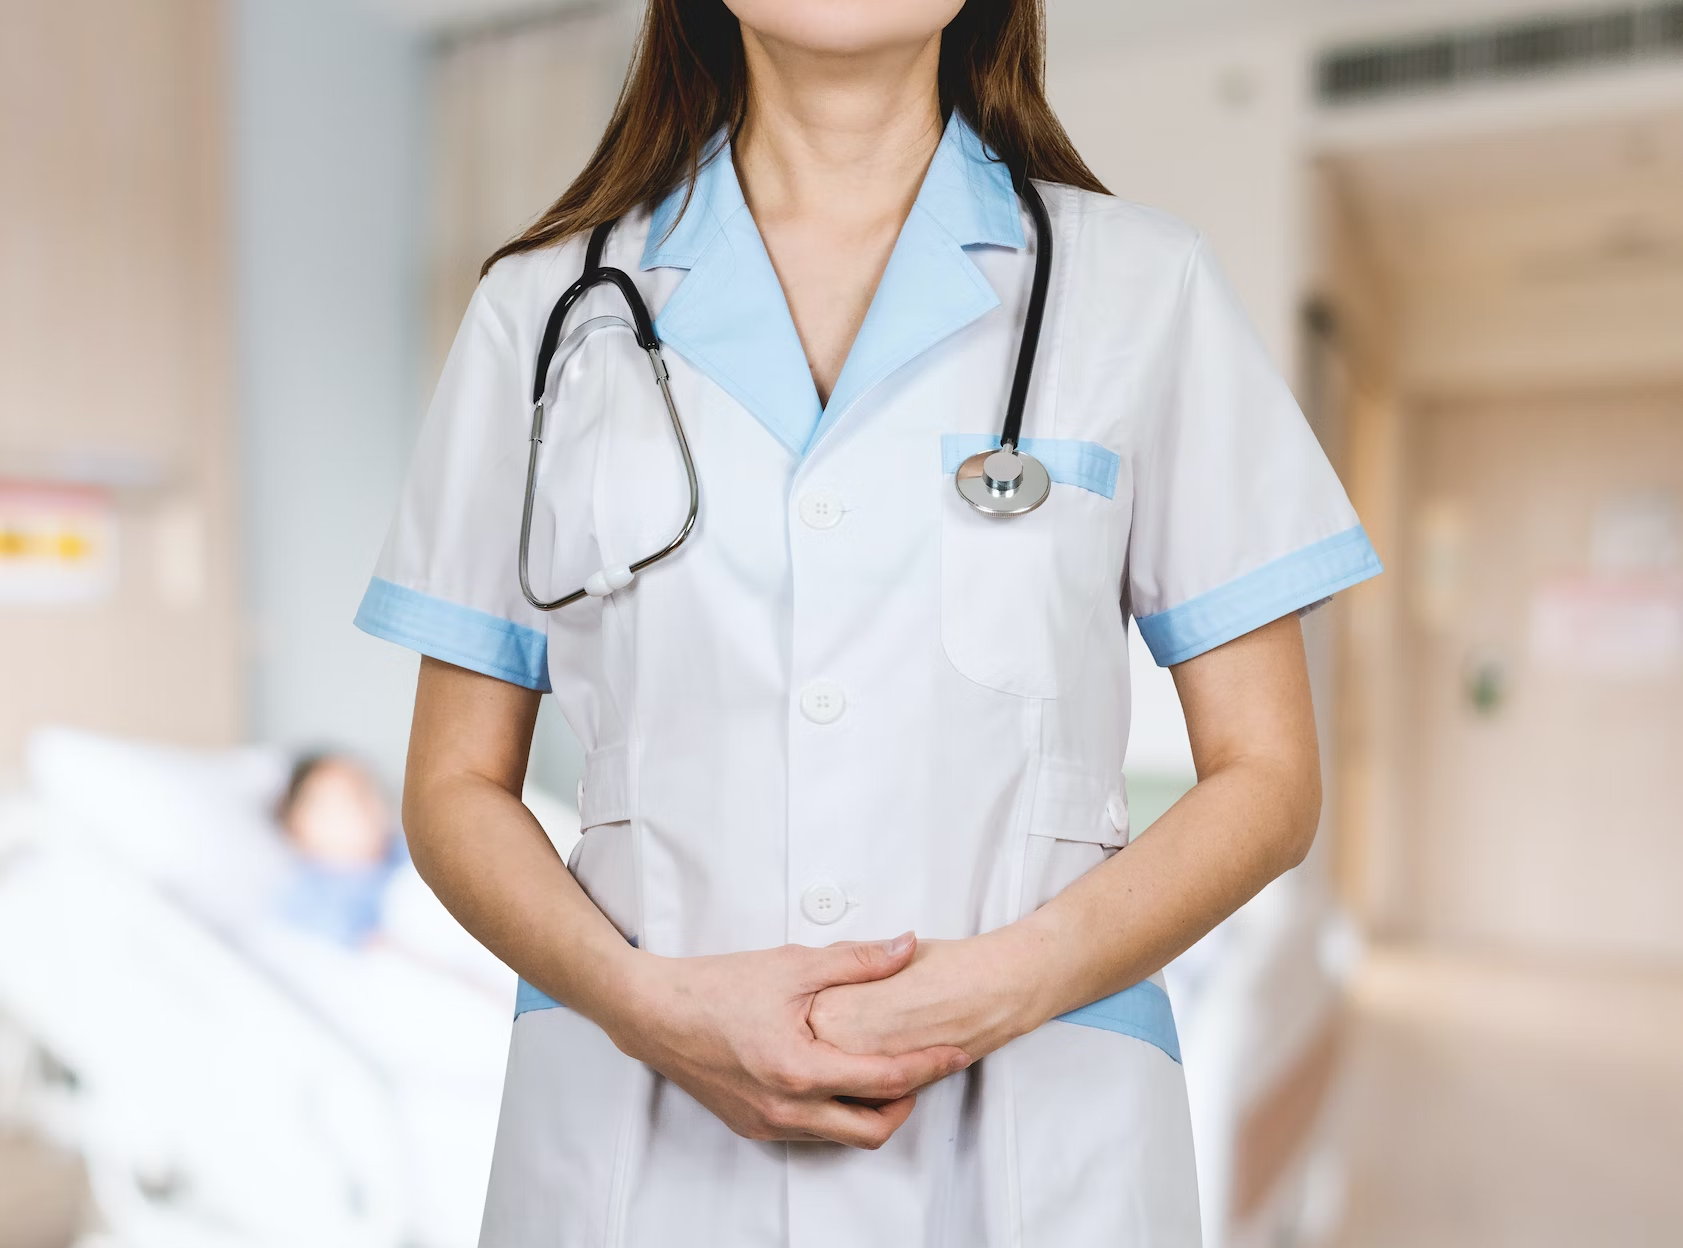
x=1006 y=481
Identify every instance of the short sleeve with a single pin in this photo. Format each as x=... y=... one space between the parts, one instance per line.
x=447 y=581
x=1238 y=518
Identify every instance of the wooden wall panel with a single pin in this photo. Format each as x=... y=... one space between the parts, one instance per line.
x=517 y=111
x=115 y=346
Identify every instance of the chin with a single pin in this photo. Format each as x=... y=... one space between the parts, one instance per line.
x=846 y=27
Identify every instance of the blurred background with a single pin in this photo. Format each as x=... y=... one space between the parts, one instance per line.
x=235 y=238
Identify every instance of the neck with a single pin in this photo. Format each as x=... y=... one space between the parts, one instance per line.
x=830 y=135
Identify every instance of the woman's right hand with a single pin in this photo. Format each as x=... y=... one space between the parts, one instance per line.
x=732 y=1031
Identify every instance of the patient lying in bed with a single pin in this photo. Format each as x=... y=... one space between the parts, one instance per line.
x=339 y=826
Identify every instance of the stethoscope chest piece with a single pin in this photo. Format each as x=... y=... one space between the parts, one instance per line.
x=1005 y=482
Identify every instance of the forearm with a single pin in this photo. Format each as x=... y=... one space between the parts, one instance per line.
x=1251 y=816
x=1237 y=829
x=492 y=866
x=483 y=852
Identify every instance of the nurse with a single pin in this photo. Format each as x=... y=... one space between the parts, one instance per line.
x=858 y=948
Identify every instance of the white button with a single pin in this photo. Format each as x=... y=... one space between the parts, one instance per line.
x=823 y=904
x=821 y=509
x=823 y=701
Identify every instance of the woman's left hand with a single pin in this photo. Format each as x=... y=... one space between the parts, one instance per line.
x=974 y=994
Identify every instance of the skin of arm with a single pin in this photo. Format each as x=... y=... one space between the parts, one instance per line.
x=731 y=1030
x=1251 y=816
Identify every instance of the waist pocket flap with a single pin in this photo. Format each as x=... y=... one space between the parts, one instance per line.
x=1116 y=806
x=605 y=791
x=1076 y=804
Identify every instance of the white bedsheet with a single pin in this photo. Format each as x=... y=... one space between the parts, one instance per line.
x=240 y=1081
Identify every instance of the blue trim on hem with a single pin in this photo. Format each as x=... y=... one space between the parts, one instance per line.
x=440 y=629
x=1301 y=579
x=1068 y=461
x=528 y=998
x=1142 y=1012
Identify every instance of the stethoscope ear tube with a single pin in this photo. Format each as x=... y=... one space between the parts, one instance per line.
x=606 y=580
x=642 y=324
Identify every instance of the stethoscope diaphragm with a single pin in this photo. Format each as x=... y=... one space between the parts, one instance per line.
x=1004 y=482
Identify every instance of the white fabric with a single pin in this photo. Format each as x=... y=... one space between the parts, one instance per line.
x=196 y=1075
x=1227 y=474
x=114 y=863
x=197 y=823
x=210 y=1061
x=974 y=744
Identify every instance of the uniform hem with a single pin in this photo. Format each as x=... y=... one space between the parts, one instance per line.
x=1301 y=579
x=452 y=633
x=528 y=998
x=1142 y=1012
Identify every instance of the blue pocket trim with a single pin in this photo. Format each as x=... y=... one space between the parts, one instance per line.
x=440 y=629
x=1142 y=1012
x=1295 y=581
x=1068 y=462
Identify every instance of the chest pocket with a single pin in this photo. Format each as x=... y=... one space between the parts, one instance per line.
x=1018 y=592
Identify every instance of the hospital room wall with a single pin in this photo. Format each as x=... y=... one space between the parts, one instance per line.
x=215 y=311
x=331 y=132
x=1413 y=334
x=115 y=391
x=1218 y=125
x=1220 y=149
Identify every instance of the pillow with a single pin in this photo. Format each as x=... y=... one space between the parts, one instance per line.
x=197 y=823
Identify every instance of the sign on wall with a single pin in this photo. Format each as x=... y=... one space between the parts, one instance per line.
x=1623 y=616
x=58 y=544
x=1600 y=625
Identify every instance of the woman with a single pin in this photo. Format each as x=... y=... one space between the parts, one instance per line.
x=848 y=954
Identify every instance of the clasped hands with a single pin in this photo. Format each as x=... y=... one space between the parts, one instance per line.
x=797 y=1043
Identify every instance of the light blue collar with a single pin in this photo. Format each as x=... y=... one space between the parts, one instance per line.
x=729 y=318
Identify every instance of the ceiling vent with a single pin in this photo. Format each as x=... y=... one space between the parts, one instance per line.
x=1532 y=47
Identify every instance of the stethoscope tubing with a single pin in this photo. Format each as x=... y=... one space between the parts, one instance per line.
x=573 y=342
x=1029 y=346
x=553 y=356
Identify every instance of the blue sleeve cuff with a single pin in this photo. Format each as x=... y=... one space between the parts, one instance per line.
x=1301 y=579
x=447 y=631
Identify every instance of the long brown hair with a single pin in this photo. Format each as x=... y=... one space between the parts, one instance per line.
x=688 y=80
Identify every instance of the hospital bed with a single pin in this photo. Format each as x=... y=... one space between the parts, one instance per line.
x=232 y=1081
x=1259 y=1005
